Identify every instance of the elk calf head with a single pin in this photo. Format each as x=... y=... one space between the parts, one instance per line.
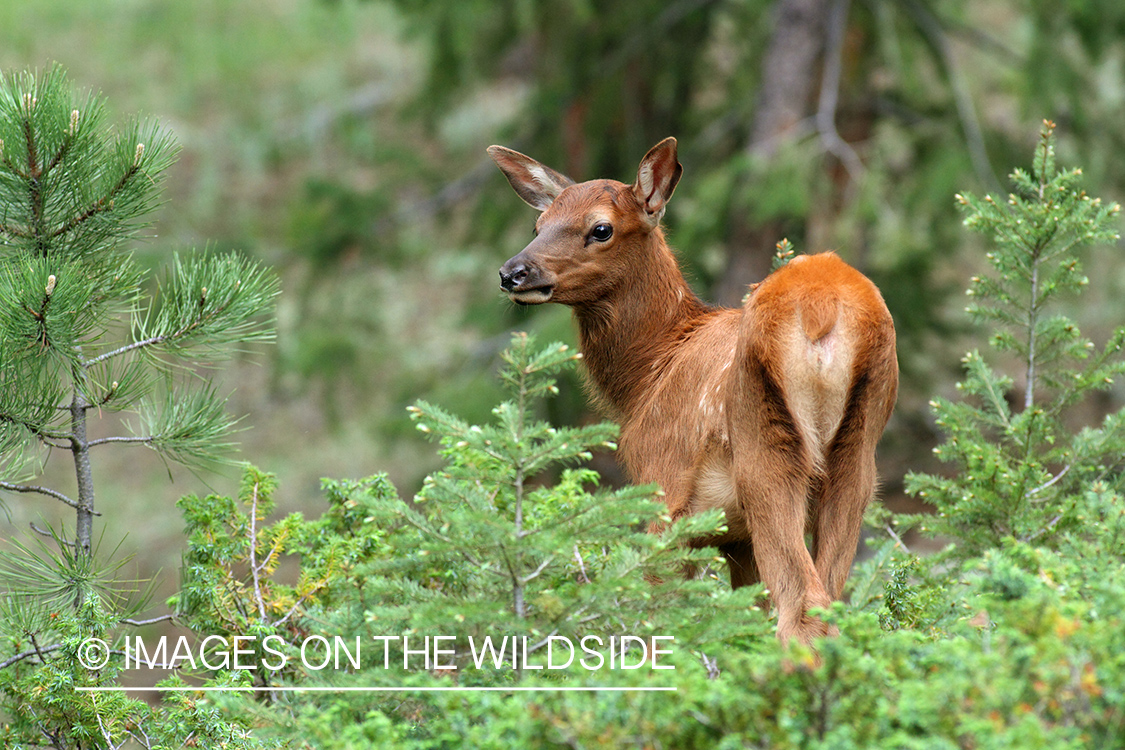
x=589 y=237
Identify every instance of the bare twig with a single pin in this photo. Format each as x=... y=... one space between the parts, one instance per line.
x=255 y=572
x=49 y=535
x=932 y=29
x=41 y=491
x=830 y=94
x=27 y=654
x=711 y=665
x=301 y=600
x=101 y=725
x=153 y=621
x=581 y=567
x=897 y=538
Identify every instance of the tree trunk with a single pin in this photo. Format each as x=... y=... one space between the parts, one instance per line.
x=786 y=100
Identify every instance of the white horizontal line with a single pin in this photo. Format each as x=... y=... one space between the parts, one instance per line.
x=292 y=689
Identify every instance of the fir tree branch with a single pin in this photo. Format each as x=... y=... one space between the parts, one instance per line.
x=562 y=520
x=1054 y=522
x=434 y=532
x=271 y=555
x=581 y=566
x=518 y=604
x=897 y=538
x=301 y=600
x=1033 y=492
x=535 y=573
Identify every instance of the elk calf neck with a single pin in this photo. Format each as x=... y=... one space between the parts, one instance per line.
x=770 y=412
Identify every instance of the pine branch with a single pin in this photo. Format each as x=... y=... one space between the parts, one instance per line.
x=140 y=440
x=14 y=232
x=151 y=341
x=44 y=435
x=159 y=339
x=104 y=203
x=28 y=488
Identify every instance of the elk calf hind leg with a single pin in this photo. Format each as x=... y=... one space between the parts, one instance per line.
x=773 y=476
x=850 y=474
x=776 y=506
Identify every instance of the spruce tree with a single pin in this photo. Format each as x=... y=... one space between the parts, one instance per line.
x=1022 y=472
x=511 y=537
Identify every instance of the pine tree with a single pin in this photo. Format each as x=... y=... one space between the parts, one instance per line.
x=1022 y=474
x=72 y=195
x=80 y=339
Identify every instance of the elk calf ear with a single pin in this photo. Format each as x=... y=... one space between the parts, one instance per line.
x=538 y=185
x=656 y=179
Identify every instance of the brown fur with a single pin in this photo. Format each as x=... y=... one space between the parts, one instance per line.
x=770 y=412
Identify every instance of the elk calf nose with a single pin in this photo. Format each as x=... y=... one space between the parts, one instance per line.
x=512 y=276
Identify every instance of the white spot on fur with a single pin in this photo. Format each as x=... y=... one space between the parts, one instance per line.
x=714 y=486
x=816 y=387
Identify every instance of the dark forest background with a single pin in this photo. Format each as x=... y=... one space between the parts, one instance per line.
x=343 y=143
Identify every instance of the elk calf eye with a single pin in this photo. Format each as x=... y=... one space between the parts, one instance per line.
x=601 y=232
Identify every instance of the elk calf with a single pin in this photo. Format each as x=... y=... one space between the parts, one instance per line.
x=770 y=412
